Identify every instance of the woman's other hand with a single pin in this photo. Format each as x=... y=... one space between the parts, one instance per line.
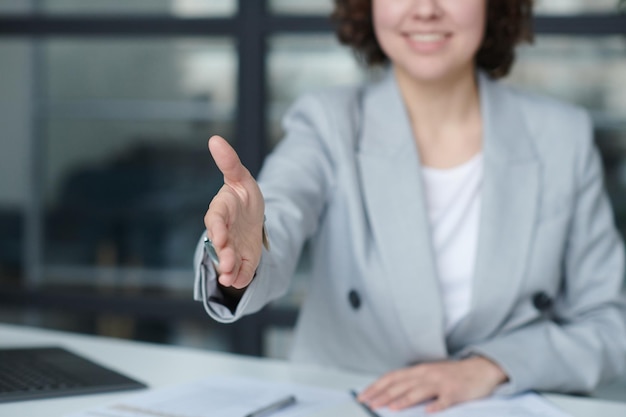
x=234 y=220
x=445 y=383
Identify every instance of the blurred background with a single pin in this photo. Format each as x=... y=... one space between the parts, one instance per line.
x=105 y=110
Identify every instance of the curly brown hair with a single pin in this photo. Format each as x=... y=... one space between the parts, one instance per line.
x=509 y=22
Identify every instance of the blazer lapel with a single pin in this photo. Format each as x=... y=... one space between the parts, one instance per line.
x=393 y=194
x=509 y=203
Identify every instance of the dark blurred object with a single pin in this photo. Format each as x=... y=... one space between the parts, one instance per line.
x=11 y=243
x=143 y=208
x=612 y=146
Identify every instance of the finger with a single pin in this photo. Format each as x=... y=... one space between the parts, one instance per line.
x=221 y=213
x=227 y=160
x=217 y=230
x=406 y=390
x=375 y=389
x=389 y=384
x=378 y=386
x=440 y=404
x=393 y=394
x=230 y=274
x=413 y=396
x=246 y=273
x=227 y=256
x=385 y=381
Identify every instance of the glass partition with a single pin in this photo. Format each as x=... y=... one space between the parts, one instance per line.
x=570 y=7
x=180 y=8
x=127 y=174
x=563 y=7
x=304 y=7
x=301 y=63
x=15 y=6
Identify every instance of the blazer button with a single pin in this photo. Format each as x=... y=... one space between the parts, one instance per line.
x=355 y=299
x=542 y=301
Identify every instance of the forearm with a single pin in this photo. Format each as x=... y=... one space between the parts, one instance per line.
x=493 y=373
x=268 y=284
x=574 y=357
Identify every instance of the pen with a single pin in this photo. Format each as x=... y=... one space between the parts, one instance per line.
x=371 y=412
x=273 y=407
x=208 y=245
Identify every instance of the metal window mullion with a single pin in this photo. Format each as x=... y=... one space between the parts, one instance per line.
x=586 y=24
x=251 y=86
x=32 y=255
x=581 y=25
x=89 y=25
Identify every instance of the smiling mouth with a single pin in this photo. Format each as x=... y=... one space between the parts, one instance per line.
x=428 y=37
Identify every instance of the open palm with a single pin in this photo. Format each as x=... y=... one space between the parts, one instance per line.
x=234 y=220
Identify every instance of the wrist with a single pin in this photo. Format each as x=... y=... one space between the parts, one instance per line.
x=230 y=296
x=491 y=370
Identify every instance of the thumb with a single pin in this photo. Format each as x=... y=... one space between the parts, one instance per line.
x=227 y=160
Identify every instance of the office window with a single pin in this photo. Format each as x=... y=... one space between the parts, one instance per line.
x=15 y=6
x=127 y=170
x=304 y=63
x=571 y=7
x=556 y=64
x=561 y=7
x=180 y=8
x=302 y=7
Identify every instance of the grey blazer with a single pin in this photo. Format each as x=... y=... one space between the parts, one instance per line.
x=347 y=176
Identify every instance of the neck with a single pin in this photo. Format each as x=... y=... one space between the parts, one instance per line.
x=440 y=107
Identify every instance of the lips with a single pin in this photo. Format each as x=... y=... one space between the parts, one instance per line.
x=428 y=37
x=427 y=42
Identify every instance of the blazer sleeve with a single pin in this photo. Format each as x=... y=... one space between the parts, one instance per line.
x=295 y=181
x=586 y=344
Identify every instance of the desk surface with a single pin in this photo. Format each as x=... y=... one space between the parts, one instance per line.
x=159 y=366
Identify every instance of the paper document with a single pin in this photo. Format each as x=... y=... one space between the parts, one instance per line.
x=221 y=396
x=230 y=396
x=523 y=405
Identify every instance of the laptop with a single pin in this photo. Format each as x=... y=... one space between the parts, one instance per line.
x=47 y=372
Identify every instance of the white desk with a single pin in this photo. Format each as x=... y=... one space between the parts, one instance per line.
x=159 y=366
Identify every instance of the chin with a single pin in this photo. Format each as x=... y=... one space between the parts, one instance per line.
x=429 y=75
x=430 y=71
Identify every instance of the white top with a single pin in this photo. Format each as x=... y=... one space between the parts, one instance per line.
x=453 y=203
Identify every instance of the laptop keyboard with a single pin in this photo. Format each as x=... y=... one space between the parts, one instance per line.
x=48 y=372
x=23 y=373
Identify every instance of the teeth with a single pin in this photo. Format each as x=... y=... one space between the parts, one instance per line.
x=427 y=37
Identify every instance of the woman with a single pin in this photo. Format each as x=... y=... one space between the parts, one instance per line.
x=462 y=242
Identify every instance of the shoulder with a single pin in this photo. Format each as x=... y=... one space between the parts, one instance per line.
x=545 y=111
x=559 y=131
x=547 y=116
x=327 y=113
x=326 y=102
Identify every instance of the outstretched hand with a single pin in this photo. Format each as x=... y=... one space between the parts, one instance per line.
x=234 y=220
